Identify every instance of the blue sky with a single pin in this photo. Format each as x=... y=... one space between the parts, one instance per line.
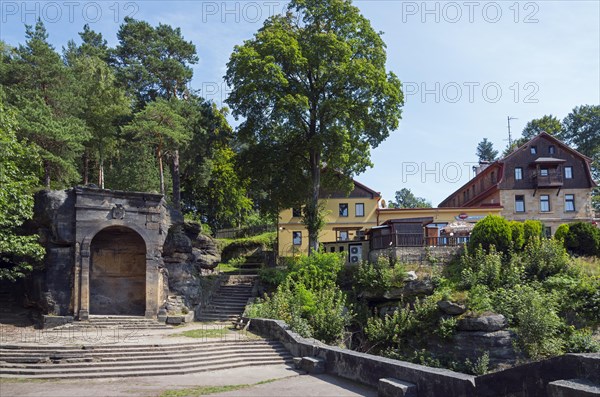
x=465 y=66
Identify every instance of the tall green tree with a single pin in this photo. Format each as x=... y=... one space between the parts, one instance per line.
x=547 y=123
x=153 y=62
x=19 y=169
x=485 y=151
x=314 y=80
x=160 y=126
x=404 y=198
x=42 y=87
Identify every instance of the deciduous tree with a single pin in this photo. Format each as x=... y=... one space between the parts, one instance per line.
x=314 y=81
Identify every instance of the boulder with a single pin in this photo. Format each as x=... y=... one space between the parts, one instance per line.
x=411 y=276
x=486 y=323
x=451 y=308
x=177 y=242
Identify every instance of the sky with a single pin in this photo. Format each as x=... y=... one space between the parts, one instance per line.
x=466 y=66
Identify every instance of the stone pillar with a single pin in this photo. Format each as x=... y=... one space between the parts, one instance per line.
x=84 y=283
x=152 y=293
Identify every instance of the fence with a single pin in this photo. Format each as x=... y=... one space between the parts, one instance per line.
x=244 y=231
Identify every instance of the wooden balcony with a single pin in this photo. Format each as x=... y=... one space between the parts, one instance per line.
x=552 y=179
x=415 y=240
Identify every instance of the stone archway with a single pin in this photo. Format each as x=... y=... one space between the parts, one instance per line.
x=117 y=272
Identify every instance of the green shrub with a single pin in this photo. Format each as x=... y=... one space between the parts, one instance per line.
x=379 y=276
x=544 y=258
x=491 y=230
x=480 y=366
x=583 y=239
x=581 y=341
x=578 y=298
x=272 y=276
x=518 y=234
x=481 y=268
x=561 y=232
x=479 y=299
x=538 y=325
x=532 y=229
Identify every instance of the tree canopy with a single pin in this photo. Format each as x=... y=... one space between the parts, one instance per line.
x=404 y=198
x=314 y=82
x=485 y=151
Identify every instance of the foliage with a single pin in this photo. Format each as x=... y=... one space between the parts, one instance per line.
x=480 y=366
x=581 y=129
x=532 y=229
x=544 y=258
x=379 y=276
x=313 y=90
x=546 y=123
x=491 y=230
x=561 y=232
x=481 y=268
x=583 y=239
x=406 y=199
x=19 y=167
x=272 y=276
x=309 y=299
x=581 y=341
x=485 y=151
x=518 y=234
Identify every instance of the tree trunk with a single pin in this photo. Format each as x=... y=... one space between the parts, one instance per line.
x=176 y=182
x=86 y=165
x=312 y=209
x=160 y=170
x=101 y=173
x=47 y=174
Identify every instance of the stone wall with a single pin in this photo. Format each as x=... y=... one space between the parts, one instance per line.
x=418 y=255
x=529 y=380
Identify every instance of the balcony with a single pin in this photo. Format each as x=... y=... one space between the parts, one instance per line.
x=549 y=179
x=416 y=240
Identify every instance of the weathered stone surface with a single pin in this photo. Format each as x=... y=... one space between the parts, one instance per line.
x=411 y=276
x=472 y=344
x=488 y=323
x=313 y=365
x=573 y=388
x=54 y=216
x=391 y=387
x=451 y=308
x=55 y=321
x=177 y=242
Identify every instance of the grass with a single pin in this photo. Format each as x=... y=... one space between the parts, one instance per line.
x=206 y=390
x=265 y=239
x=204 y=333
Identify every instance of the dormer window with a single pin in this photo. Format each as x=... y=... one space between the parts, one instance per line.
x=533 y=149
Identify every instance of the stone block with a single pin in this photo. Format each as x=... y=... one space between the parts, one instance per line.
x=175 y=320
x=487 y=323
x=152 y=226
x=313 y=365
x=573 y=388
x=55 y=321
x=297 y=362
x=391 y=387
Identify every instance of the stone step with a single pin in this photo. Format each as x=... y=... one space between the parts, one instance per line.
x=125 y=373
x=96 y=361
x=132 y=360
x=138 y=347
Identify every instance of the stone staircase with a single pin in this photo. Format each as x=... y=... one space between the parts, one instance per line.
x=112 y=322
x=116 y=361
x=229 y=302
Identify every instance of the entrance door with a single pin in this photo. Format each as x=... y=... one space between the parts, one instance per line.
x=118 y=272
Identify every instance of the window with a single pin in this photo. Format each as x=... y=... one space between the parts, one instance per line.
x=568 y=172
x=343 y=235
x=359 y=209
x=493 y=177
x=343 y=209
x=518 y=173
x=296 y=212
x=297 y=238
x=547 y=231
x=569 y=202
x=520 y=203
x=551 y=149
x=544 y=172
x=544 y=203
x=332 y=249
x=533 y=149
x=341 y=249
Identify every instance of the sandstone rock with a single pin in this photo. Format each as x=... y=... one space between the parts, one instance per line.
x=452 y=308
x=487 y=323
x=177 y=242
x=411 y=276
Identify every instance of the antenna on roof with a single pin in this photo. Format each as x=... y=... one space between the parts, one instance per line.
x=509 y=135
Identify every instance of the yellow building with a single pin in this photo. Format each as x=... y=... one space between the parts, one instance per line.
x=347 y=218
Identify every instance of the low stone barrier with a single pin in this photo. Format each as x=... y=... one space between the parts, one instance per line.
x=366 y=368
x=528 y=380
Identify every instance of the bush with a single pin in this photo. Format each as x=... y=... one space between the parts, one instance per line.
x=561 y=232
x=481 y=268
x=518 y=234
x=532 y=229
x=544 y=258
x=379 y=276
x=583 y=239
x=491 y=230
